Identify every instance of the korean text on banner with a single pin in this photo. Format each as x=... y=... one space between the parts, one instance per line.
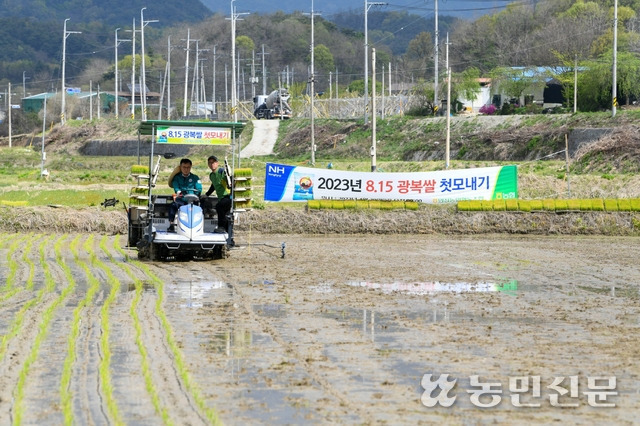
x=293 y=183
x=193 y=135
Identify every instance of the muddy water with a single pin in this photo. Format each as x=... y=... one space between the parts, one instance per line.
x=341 y=329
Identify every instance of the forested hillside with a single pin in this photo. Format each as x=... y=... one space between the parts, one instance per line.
x=529 y=34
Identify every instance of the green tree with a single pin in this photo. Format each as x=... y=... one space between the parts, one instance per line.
x=420 y=54
x=245 y=43
x=323 y=58
x=465 y=84
x=423 y=99
x=594 y=81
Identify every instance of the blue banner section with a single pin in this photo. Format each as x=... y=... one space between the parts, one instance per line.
x=294 y=183
x=276 y=180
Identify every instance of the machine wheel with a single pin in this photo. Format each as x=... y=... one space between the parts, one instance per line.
x=220 y=251
x=135 y=234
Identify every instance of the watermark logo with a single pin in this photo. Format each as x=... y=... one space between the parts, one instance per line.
x=445 y=387
x=523 y=391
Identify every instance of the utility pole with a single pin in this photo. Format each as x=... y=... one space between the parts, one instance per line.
x=91 y=100
x=213 y=89
x=435 y=83
x=234 y=109
x=253 y=74
x=264 y=74
x=143 y=89
x=64 y=55
x=9 y=113
x=575 y=84
x=312 y=80
x=44 y=128
x=133 y=70
x=168 y=78
x=447 y=149
x=367 y=6
x=389 y=80
x=116 y=76
x=614 y=89
x=186 y=74
x=24 y=86
x=234 y=93
x=195 y=84
x=373 y=110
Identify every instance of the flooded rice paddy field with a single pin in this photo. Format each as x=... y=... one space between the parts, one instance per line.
x=321 y=329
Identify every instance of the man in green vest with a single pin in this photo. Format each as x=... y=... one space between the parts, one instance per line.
x=219 y=184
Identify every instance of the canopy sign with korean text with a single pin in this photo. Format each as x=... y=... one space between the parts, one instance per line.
x=293 y=183
x=193 y=135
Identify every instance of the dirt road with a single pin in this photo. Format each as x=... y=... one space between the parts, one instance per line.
x=264 y=138
x=342 y=329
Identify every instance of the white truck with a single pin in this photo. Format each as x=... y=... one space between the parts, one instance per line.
x=273 y=105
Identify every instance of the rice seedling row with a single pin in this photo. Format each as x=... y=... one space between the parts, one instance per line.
x=82 y=354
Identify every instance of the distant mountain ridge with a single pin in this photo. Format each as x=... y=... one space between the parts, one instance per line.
x=457 y=8
x=110 y=13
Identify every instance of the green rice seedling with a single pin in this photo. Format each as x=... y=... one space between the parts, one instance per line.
x=597 y=204
x=313 y=204
x=511 y=205
x=386 y=205
x=524 y=205
x=374 y=204
x=463 y=205
x=487 y=205
x=411 y=205
x=585 y=204
x=43 y=328
x=133 y=311
x=549 y=205
x=26 y=258
x=325 y=204
x=13 y=203
x=244 y=172
x=190 y=387
x=246 y=204
x=362 y=204
x=244 y=193
x=66 y=397
x=104 y=367
x=635 y=204
x=624 y=205
x=611 y=205
x=536 y=205
x=397 y=205
x=139 y=169
x=573 y=205
x=499 y=205
x=337 y=205
x=13 y=264
x=562 y=205
x=475 y=205
x=349 y=204
x=142 y=190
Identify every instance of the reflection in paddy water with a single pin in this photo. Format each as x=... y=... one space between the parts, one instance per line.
x=422 y=288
